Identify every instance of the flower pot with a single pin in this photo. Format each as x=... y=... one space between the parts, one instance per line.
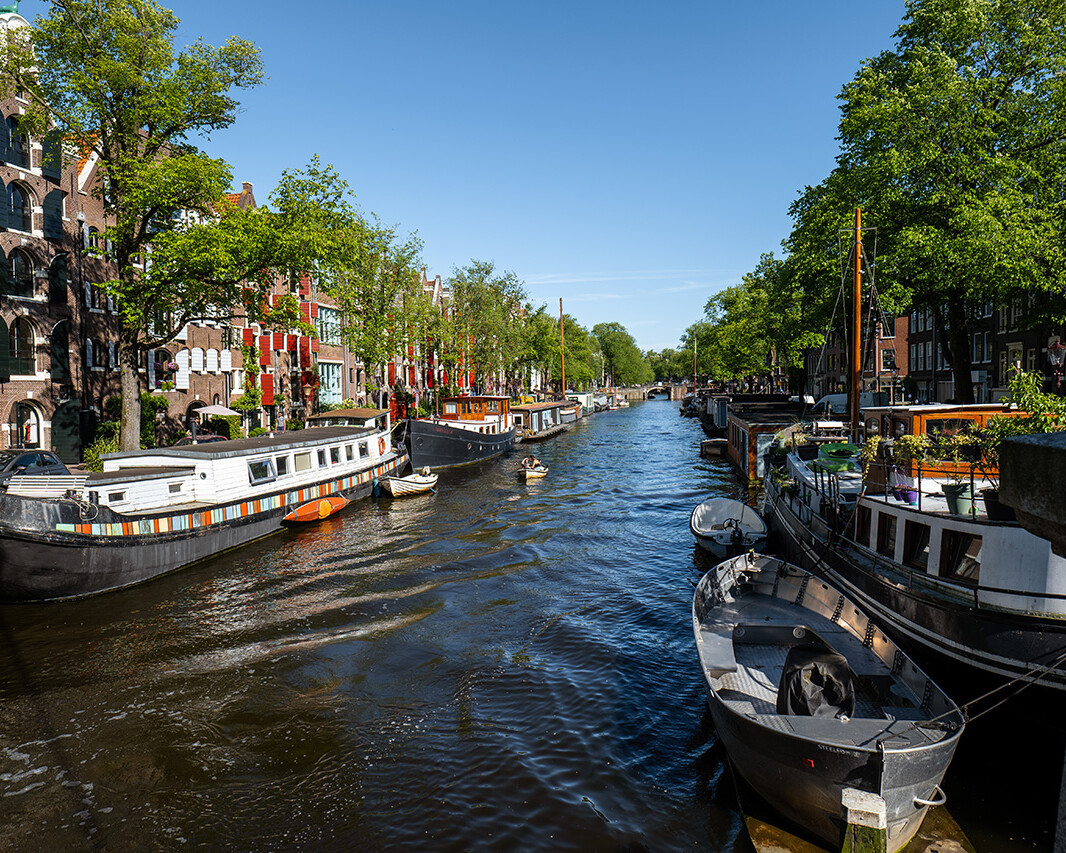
x=959 y=497
x=995 y=510
x=807 y=452
x=909 y=496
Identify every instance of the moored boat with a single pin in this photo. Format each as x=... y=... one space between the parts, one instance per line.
x=723 y=526
x=810 y=698
x=153 y=511
x=468 y=430
x=964 y=589
x=413 y=484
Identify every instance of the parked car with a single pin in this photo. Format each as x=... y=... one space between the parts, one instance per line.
x=15 y=461
x=201 y=438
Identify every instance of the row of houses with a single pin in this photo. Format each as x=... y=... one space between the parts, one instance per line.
x=59 y=328
x=907 y=359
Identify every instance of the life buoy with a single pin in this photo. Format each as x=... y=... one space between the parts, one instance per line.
x=381 y=447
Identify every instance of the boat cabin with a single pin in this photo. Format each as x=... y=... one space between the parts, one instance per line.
x=534 y=419
x=221 y=472
x=367 y=418
x=751 y=431
x=475 y=409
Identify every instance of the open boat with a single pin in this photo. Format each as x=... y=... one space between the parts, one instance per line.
x=316 y=510
x=533 y=469
x=723 y=526
x=809 y=698
x=412 y=484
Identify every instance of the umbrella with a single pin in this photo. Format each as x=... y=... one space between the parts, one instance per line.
x=215 y=411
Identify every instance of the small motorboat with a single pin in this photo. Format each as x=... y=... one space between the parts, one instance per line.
x=810 y=698
x=412 y=484
x=533 y=468
x=316 y=510
x=726 y=527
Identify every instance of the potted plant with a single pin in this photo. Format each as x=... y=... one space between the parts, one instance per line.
x=960 y=451
x=908 y=450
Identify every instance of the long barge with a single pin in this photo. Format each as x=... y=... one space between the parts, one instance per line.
x=154 y=511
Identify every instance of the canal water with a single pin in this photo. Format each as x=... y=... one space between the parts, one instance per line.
x=500 y=666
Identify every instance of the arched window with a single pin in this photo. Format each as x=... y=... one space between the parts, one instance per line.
x=18 y=148
x=58 y=280
x=21 y=274
x=21 y=348
x=20 y=213
x=60 y=352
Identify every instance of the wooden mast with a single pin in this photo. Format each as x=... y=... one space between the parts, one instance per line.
x=856 y=335
x=562 y=346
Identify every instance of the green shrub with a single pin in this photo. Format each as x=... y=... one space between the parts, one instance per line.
x=258 y=431
x=99 y=447
x=294 y=423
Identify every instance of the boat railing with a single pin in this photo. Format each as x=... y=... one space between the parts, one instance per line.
x=47 y=485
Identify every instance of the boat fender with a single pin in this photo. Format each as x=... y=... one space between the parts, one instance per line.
x=381 y=446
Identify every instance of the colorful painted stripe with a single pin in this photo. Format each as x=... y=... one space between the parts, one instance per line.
x=230 y=512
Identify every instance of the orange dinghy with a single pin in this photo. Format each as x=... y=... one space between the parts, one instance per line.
x=316 y=510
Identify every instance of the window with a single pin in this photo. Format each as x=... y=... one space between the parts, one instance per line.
x=364 y=451
x=886 y=534
x=960 y=556
x=281 y=463
x=322 y=457
x=261 y=471
x=330 y=377
x=18 y=148
x=303 y=461
x=450 y=409
x=21 y=348
x=334 y=455
x=916 y=545
x=115 y=497
x=174 y=488
x=59 y=368
x=328 y=326
x=349 y=453
x=21 y=274
x=20 y=211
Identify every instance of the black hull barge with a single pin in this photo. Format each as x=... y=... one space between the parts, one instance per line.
x=469 y=430
x=155 y=511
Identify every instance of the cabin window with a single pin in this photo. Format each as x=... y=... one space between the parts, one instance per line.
x=862 y=525
x=364 y=451
x=282 y=465
x=322 y=457
x=960 y=556
x=494 y=406
x=115 y=497
x=886 y=534
x=261 y=471
x=450 y=408
x=174 y=488
x=349 y=453
x=916 y=545
x=335 y=455
x=303 y=461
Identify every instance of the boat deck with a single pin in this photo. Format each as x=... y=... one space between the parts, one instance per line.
x=749 y=674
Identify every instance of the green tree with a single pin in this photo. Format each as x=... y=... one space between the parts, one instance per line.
x=103 y=75
x=485 y=328
x=952 y=144
x=624 y=363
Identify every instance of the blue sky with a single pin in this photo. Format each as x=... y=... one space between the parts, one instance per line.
x=633 y=158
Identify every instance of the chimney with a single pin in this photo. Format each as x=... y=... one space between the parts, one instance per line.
x=246 y=187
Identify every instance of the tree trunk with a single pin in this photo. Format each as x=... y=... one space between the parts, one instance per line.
x=958 y=340
x=130 y=436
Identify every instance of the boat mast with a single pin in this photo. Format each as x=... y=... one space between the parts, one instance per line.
x=562 y=346
x=856 y=334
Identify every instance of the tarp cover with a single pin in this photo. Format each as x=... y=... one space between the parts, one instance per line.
x=816 y=682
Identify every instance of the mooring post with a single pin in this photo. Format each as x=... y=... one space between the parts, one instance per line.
x=867 y=820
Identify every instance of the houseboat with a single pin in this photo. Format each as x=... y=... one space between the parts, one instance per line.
x=751 y=428
x=153 y=511
x=535 y=421
x=584 y=399
x=947 y=579
x=468 y=430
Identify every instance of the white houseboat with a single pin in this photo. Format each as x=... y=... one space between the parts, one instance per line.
x=153 y=511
